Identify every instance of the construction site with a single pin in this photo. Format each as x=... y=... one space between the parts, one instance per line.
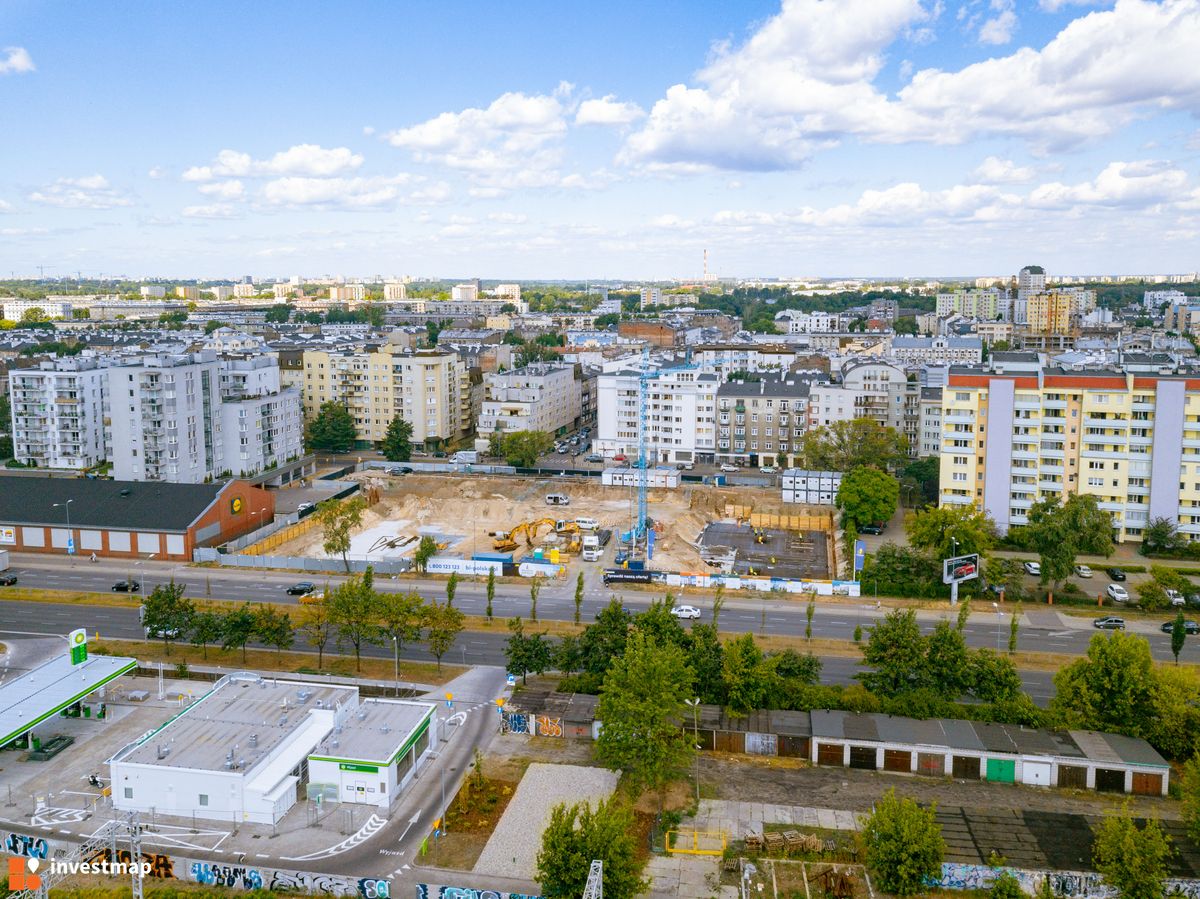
x=696 y=527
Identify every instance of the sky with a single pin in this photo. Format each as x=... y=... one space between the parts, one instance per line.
x=617 y=140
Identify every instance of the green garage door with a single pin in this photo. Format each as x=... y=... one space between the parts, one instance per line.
x=1002 y=770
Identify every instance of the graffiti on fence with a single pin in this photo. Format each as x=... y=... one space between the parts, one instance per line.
x=156 y=863
x=427 y=891
x=1069 y=884
x=211 y=874
x=20 y=844
x=549 y=727
x=516 y=723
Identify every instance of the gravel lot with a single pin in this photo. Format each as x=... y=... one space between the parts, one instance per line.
x=512 y=850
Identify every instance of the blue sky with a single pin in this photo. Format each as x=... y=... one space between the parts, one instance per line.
x=808 y=138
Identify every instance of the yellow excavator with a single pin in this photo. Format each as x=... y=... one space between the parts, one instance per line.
x=527 y=529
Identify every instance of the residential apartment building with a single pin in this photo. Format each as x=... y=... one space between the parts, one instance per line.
x=918 y=350
x=1182 y=317
x=542 y=396
x=761 y=421
x=58 y=413
x=283 y=291
x=1030 y=280
x=347 y=293
x=509 y=292
x=152 y=291
x=929 y=427
x=220 y=292
x=395 y=290
x=1013 y=434
x=749 y=357
x=50 y=307
x=680 y=410
x=798 y=322
x=244 y=290
x=464 y=293
x=875 y=389
x=433 y=390
x=1154 y=300
x=984 y=305
x=187 y=292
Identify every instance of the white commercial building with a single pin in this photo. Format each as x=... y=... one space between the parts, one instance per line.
x=542 y=396
x=812 y=322
x=960 y=350
x=58 y=413
x=680 y=414
x=464 y=293
x=813 y=488
x=152 y=291
x=50 y=307
x=249 y=747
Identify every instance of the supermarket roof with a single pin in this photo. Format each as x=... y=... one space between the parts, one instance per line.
x=52 y=686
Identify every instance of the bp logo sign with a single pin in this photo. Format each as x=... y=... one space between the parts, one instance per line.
x=235 y=505
x=77 y=640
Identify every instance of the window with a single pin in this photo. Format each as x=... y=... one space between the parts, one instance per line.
x=203 y=799
x=129 y=792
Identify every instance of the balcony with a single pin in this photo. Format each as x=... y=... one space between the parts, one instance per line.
x=1054 y=404
x=1054 y=486
x=1091 y=421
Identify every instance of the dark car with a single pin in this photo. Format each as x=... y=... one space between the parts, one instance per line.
x=1110 y=623
x=301 y=588
x=1189 y=627
x=8 y=579
x=593 y=457
x=126 y=587
x=1115 y=573
x=399 y=470
x=872 y=529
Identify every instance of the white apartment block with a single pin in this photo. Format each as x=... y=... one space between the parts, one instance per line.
x=152 y=291
x=1030 y=280
x=395 y=290
x=917 y=350
x=750 y=357
x=873 y=389
x=430 y=389
x=1154 y=299
x=220 y=292
x=680 y=414
x=243 y=291
x=510 y=292
x=283 y=291
x=812 y=322
x=347 y=293
x=465 y=293
x=187 y=292
x=14 y=310
x=58 y=413
x=929 y=429
x=539 y=397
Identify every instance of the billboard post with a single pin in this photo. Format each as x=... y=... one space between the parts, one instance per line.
x=958 y=569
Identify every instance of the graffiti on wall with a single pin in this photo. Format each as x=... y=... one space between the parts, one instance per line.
x=1069 y=884
x=514 y=723
x=429 y=891
x=32 y=847
x=158 y=864
x=549 y=727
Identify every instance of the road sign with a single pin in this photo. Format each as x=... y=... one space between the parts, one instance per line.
x=512 y=680
x=70 y=546
x=960 y=568
x=860 y=554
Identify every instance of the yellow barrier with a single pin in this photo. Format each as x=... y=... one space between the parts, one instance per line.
x=702 y=842
x=264 y=546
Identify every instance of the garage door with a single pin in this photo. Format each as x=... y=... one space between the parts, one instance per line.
x=1147 y=784
x=1110 y=780
x=897 y=760
x=966 y=767
x=933 y=763
x=863 y=757
x=1002 y=770
x=1072 y=777
x=1036 y=773
x=830 y=754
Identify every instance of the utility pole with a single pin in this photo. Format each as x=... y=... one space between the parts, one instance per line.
x=595 y=881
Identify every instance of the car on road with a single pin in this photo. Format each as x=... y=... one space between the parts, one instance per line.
x=126 y=587
x=729 y=467
x=399 y=470
x=1110 y=623
x=873 y=529
x=1083 y=571
x=560 y=448
x=685 y=612
x=7 y=579
x=1175 y=596
x=684 y=466
x=768 y=469
x=304 y=507
x=1115 y=574
x=301 y=589
x=1117 y=593
x=620 y=457
x=593 y=457
x=1034 y=568
x=1189 y=627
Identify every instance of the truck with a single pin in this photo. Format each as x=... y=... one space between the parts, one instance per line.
x=557 y=499
x=594 y=543
x=4 y=560
x=466 y=457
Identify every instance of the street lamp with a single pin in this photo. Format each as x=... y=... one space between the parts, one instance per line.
x=142 y=578
x=396 y=649
x=695 y=704
x=999 y=622
x=70 y=536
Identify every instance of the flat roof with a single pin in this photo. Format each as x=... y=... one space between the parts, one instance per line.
x=44 y=691
x=126 y=505
x=274 y=712
x=377 y=731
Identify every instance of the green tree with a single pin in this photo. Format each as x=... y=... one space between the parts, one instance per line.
x=316 y=626
x=354 y=611
x=213 y=325
x=578 y=596
x=451 y=587
x=167 y=613
x=640 y=707
x=992 y=677
x=491 y=591
x=1178 y=635
x=845 y=445
x=1059 y=532
x=1160 y=536
x=206 y=628
x=809 y=611
x=575 y=837
x=1133 y=860
x=339 y=520
x=904 y=845
x=400 y=617
x=1152 y=597
x=524 y=653
x=535 y=587
x=1006 y=886
x=951 y=531
x=332 y=430
x=1111 y=689
x=1189 y=795
x=706 y=658
x=279 y=313
x=273 y=627
x=36 y=314
x=237 y=627
x=867 y=496
x=748 y=675
x=895 y=651
x=1014 y=625
x=396 y=445
x=522 y=448
x=443 y=625
x=964 y=615
x=425 y=551
x=946 y=661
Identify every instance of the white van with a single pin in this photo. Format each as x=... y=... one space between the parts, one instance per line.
x=557 y=499
x=587 y=524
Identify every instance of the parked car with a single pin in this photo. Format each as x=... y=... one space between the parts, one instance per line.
x=1115 y=574
x=301 y=588
x=1110 y=623
x=684 y=466
x=620 y=457
x=7 y=579
x=768 y=469
x=593 y=457
x=1193 y=600
x=399 y=470
x=728 y=466
x=1117 y=593
x=560 y=448
x=873 y=529
x=304 y=507
x=1189 y=627
x=1083 y=571
x=1034 y=568
x=1176 y=597
x=685 y=612
x=126 y=587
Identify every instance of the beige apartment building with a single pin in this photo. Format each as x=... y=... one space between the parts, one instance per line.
x=1017 y=432
x=433 y=390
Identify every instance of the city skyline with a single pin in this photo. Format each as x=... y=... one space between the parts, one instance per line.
x=855 y=139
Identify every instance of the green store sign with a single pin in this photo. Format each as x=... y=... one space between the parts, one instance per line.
x=350 y=766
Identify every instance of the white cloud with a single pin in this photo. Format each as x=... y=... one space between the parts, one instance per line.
x=156 y=173
x=15 y=61
x=1056 y=5
x=507 y=218
x=224 y=190
x=1144 y=183
x=6 y=207
x=303 y=159
x=346 y=192
x=1000 y=27
x=211 y=211
x=88 y=192
x=608 y=110
x=994 y=170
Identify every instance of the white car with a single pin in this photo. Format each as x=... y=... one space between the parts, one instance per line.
x=1176 y=597
x=685 y=612
x=728 y=467
x=768 y=469
x=1117 y=593
x=1083 y=571
x=1034 y=568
